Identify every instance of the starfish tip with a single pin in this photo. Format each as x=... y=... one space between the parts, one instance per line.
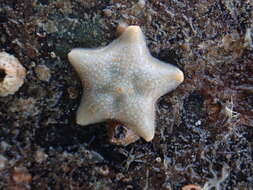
x=132 y=33
x=80 y=120
x=72 y=55
x=179 y=76
x=133 y=29
x=149 y=138
x=148 y=134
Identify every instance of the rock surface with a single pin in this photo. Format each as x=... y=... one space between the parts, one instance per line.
x=204 y=128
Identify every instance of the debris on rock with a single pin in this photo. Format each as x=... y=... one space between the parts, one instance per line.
x=119 y=134
x=43 y=72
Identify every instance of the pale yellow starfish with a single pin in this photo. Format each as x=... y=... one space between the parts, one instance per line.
x=122 y=81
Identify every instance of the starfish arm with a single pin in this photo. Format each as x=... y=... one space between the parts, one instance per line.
x=92 y=66
x=157 y=78
x=86 y=61
x=132 y=35
x=130 y=45
x=95 y=109
x=168 y=77
x=138 y=114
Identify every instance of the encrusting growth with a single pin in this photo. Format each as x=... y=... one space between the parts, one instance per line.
x=12 y=74
x=122 y=82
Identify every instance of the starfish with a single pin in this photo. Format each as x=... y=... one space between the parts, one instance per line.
x=122 y=82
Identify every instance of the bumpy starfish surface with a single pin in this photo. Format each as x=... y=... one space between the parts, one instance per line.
x=122 y=82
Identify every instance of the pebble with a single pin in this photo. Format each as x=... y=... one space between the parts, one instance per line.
x=107 y=12
x=103 y=170
x=141 y=3
x=21 y=175
x=40 y=156
x=43 y=73
x=73 y=93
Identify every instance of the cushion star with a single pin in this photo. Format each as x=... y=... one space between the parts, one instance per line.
x=122 y=82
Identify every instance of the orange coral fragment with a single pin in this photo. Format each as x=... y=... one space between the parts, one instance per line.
x=192 y=187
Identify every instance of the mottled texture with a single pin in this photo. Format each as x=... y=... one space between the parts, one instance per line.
x=12 y=74
x=122 y=81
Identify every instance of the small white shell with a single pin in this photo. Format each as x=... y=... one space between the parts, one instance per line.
x=12 y=74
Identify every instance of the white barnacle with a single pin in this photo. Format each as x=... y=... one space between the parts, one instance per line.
x=12 y=74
